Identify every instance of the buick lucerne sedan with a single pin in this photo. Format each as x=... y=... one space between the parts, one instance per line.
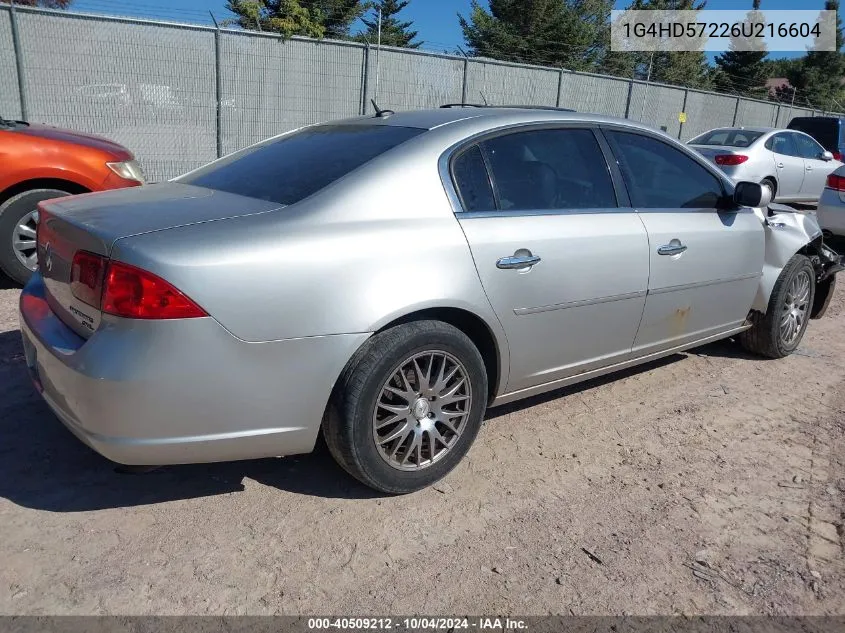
x=383 y=280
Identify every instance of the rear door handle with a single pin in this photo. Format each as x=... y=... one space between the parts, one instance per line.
x=515 y=262
x=809 y=168
x=780 y=165
x=672 y=248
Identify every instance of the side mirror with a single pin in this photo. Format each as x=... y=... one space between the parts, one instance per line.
x=827 y=156
x=751 y=194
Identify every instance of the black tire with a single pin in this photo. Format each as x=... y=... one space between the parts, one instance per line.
x=11 y=212
x=349 y=423
x=764 y=337
x=771 y=184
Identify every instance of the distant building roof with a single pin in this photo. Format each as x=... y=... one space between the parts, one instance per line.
x=777 y=83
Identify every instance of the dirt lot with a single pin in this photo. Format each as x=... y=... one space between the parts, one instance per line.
x=711 y=482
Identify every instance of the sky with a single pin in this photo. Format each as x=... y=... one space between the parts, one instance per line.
x=436 y=20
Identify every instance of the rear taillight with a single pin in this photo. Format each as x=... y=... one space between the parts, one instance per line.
x=837 y=156
x=86 y=277
x=136 y=294
x=730 y=159
x=127 y=291
x=836 y=182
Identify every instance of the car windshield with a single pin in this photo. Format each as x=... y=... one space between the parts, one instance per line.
x=727 y=138
x=293 y=167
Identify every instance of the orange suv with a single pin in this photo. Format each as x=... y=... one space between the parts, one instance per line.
x=38 y=163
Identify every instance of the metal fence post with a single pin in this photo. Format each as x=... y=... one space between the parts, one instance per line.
x=19 y=61
x=683 y=109
x=365 y=78
x=218 y=87
x=464 y=86
x=628 y=101
x=777 y=117
x=736 y=112
x=559 y=87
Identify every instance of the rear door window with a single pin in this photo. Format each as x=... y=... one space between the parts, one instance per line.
x=549 y=169
x=288 y=169
x=783 y=144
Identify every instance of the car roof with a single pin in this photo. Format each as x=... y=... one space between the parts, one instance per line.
x=492 y=116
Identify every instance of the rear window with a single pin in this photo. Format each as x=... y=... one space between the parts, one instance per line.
x=824 y=130
x=289 y=169
x=727 y=138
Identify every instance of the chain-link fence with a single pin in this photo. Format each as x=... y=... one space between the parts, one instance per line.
x=180 y=95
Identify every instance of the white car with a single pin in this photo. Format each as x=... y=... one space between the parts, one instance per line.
x=792 y=164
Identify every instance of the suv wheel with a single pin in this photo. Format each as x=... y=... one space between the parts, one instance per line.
x=407 y=407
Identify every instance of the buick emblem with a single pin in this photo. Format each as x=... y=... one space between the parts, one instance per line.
x=48 y=257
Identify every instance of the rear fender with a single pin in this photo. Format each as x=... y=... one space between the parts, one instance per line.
x=787 y=234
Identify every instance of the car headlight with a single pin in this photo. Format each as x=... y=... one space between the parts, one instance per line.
x=128 y=170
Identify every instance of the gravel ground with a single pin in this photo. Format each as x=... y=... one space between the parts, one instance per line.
x=711 y=482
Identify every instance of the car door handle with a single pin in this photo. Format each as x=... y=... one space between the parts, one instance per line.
x=780 y=165
x=673 y=248
x=517 y=261
x=809 y=168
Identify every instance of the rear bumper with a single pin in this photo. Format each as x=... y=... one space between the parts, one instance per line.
x=180 y=391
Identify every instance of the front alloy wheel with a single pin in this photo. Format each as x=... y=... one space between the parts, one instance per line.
x=18 y=223
x=779 y=331
x=796 y=308
x=23 y=240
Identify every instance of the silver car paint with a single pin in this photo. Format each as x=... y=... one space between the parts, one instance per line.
x=149 y=392
x=707 y=289
x=294 y=292
x=831 y=209
x=798 y=179
x=786 y=233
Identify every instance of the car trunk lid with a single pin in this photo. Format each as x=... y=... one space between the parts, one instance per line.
x=711 y=151
x=93 y=222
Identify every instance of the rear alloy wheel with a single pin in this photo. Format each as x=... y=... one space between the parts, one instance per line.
x=18 y=222
x=408 y=406
x=779 y=332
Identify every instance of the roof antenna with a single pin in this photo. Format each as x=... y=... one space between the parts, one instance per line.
x=483 y=98
x=381 y=114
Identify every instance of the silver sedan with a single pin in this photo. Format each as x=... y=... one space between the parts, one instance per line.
x=792 y=164
x=383 y=280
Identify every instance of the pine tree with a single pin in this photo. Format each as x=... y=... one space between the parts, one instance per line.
x=336 y=16
x=394 y=32
x=818 y=78
x=312 y=18
x=564 y=33
x=744 y=71
x=681 y=68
